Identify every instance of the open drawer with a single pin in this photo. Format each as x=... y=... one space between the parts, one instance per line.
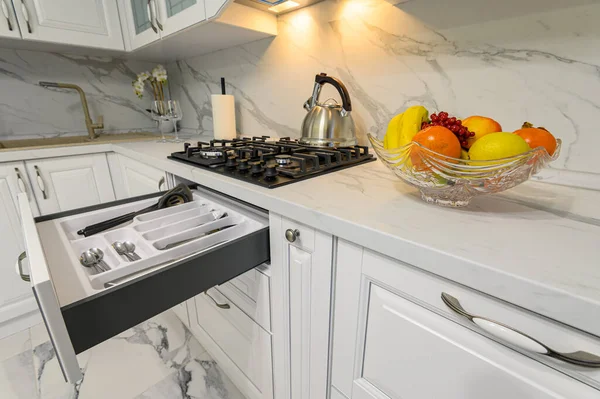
x=83 y=306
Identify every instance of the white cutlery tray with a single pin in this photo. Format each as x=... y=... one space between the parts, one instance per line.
x=150 y=232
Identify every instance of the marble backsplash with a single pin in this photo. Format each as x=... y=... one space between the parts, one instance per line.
x=514 y=61
x=30 y=111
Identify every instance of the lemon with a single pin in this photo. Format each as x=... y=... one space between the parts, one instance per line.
x=464 y=154
x=497 y=145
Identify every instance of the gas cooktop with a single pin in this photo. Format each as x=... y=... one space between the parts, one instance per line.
x=269 y=163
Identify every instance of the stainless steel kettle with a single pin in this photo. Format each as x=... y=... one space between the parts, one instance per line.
x=328 y=124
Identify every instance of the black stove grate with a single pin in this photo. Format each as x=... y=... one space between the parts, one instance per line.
x=270 y=163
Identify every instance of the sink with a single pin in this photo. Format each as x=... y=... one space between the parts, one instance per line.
x=75 y=140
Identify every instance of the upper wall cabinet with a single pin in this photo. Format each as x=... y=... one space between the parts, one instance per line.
x=151 y=30
x=89 y=23
x=168 y=30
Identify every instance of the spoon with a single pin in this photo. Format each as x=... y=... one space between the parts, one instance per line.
x=88 y=259
x=122 y=250
x=99 y=256
x=130 y=247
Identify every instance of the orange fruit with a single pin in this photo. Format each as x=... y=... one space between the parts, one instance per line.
x=480 y=125
x=435 y=138
x=537 y=137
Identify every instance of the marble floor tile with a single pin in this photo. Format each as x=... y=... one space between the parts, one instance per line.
x=17 y=378
x=199 y=378
x=156 y=359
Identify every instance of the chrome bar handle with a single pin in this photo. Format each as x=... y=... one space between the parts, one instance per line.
x=20 y=181
x=160 y=183
x=6 y=14
x=219 y=305
x=151 y=16
x=520 y=339
x=157 y=19
x=19 y=267
x=26 y=16
x=40 y=182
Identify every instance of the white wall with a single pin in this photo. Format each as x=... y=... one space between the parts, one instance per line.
x=513 y=60
x=28 y=110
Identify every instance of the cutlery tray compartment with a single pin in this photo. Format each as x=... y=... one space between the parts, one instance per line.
x=156 y=237
x=183 y=251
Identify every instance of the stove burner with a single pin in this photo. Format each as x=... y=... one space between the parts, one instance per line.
x=269 y=163
x=283 y=159
x=243 y=165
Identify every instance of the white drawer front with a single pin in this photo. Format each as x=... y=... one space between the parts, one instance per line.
x=411 y=352
x=243 y=341
x=251 y=292
x=428 y=289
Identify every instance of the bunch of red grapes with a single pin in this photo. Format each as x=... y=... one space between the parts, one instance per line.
x=453 y=124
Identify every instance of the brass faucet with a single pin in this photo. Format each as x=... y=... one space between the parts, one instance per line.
x=91 y=126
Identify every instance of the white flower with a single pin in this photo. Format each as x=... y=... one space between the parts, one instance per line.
x=143 y=76
x=159 y=73
x=138 y=88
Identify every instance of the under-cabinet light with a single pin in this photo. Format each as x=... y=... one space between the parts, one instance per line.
x=284 y=6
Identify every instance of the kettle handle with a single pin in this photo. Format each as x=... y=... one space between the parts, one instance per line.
x=322 y=78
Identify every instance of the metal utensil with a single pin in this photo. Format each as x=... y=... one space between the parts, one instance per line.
x=135 y=275
x=178 y=243
x=99 y=257
x=89 y=260
x=122 y=250
x=130 y=247
x=328 y=124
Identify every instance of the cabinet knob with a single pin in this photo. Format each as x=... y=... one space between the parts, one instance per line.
x=291 y=235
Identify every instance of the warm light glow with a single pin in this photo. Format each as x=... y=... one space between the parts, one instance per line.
x=354 y=8
x=284 y=6
x=301 y=22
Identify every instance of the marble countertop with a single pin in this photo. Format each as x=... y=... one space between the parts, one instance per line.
x=537 y=245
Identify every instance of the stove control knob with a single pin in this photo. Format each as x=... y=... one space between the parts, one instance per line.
x=243 y=165
x=231 y=162
x=271 y=172
x=256 y=168
x=291 y=235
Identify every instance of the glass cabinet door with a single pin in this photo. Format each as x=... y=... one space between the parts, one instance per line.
x=177 y=6
x=142 y=20
x=141 y=16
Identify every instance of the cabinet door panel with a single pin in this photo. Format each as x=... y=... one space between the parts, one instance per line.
x=66 y=183
x=139 y=178
x=91 y=23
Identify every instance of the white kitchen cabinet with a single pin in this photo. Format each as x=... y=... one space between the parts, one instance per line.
x=302 y=281
x=241 y=346
x=89 y=23
x=392 y=341
x=65 y=183
x=138 y=19
x=132 y=178
x=16 y=299
x=9 y=27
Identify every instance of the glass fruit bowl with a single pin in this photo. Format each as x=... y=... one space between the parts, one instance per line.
x=453 y=182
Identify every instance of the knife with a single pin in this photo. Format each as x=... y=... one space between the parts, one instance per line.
x=178 y=243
